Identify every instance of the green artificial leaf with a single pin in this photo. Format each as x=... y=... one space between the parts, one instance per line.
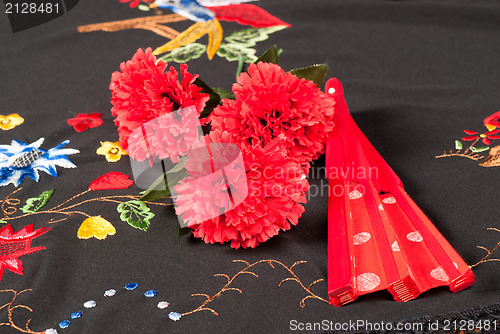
x=136 y=214
x=480 y=149
x=214 y=98
x=233 y=52
x=249 y=37
x=458 y=145
x=182 y=231
x=315 y=73
x=185 y=53
x=179 y=166
x=36 y=203
x=161 y=187
x=270 y=56
x=143 y=7
x=224 y=94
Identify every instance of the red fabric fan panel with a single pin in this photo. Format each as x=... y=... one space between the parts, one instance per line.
x=378 y=238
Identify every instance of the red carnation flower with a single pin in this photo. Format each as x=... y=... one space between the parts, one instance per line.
x=169 y=136
x=271 y=103
x=143 y=91
x=276 y=188
x=84 y=121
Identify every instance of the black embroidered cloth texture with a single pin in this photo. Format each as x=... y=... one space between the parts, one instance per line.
x=416 y=74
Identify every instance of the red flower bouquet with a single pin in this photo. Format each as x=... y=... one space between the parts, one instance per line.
x=144 y=90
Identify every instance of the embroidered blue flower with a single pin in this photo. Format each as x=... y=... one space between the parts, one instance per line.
x=131 y=286
x=19 y=160
x=76 y=315
x=150 y=293
x=174 y=316
x=64 y=324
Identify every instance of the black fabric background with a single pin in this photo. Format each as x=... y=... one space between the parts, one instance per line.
x=415 y=74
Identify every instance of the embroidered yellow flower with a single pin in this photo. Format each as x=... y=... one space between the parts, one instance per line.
x=112 y=151
x=96 y=227
x=10 y=121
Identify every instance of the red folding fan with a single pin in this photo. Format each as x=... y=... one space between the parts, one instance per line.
x=378 y=238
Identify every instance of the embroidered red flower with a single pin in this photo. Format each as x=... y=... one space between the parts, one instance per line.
x=276 y=189
x=133 y=3
x=493 y=121
x=473 y=135
x=143 y=91
x=271 y=103
x=84 y=121
x=111 y=180
x=14 y=245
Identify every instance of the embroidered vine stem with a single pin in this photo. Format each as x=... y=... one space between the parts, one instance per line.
x=489 y=252
x=151 y=23
x=62 y=208
x=10 y=310
x=272 y=263
x=466 y=154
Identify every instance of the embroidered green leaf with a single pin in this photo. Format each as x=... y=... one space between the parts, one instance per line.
x=136 y=214
x=224 y=94
x=458 y=145
x=480 y=149
x=270 y=56
x=214 y=98
x=3 y=222
x=250 y=37
x=315 y=73
x=36 y=203
x=143 y=7
x=161 y=187
x=185 y=53
x=182 y=231
x=233 y=52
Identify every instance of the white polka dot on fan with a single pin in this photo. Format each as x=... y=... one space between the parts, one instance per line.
x=355 y=194
x=361 y=238
x=367 y=281
x=389 y=200
x=380 y=207
x=439 y=274
x=415 y=237
x=395 y=246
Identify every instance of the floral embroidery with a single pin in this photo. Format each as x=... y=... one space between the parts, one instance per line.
x=489 y=252
x=113 y=151
x=136 y=214
x=239 y=46
x=492 y=121
x=10 y=121
x=205 y=13
x=13 y=245
x=190 y=9
x=132 y=210
x=111 y=180
x=192 y=34
x=83 y=122
x=11 y=306
x=96 y=227
x=19 y=160
x=230 y=280
x=475 y=153
x=486 y=137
